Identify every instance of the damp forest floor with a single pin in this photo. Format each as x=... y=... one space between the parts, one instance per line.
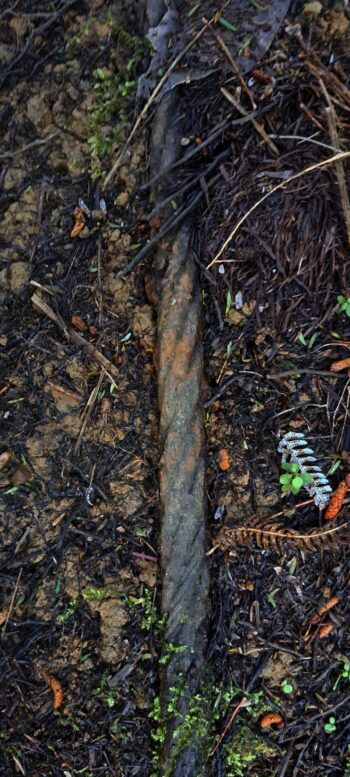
x=79 y=576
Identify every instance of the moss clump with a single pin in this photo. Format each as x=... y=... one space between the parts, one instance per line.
x=114 y=98
x=245 y=755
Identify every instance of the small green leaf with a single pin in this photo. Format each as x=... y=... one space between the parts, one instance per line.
x=347 y=310
x=286 y=488
x=193 y=10
x=226 y=24
x=297 y=483
x=228 y=302
x=312 y=340
x=292 y=565
x=247 y=41
x=340 y=298
x=294 y=467
x=301 y=339
x=286 y=466
x=334 y=467
x=287 y=687
x=330 y=726
x=271 y=598
x=286 y=478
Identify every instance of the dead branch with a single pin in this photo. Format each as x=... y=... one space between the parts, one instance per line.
x=189 y=185
x=233 y=64
x=75 y=337
x=333 y=133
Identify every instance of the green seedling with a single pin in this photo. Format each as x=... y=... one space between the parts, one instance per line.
x=344 y=305
x=193 y=10
x=287 y=687
x=228 y=303
x=271 y=598
x=70 y=610
x=227 y=25
x=246 y=43
x=333 y=468
x=330 y=726
x=345 y=673
x=307 y=343
x=293 y=479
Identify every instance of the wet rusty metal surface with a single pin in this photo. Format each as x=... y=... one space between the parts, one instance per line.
x=179 y=362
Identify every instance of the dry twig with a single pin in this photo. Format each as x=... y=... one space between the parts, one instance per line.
x=12 y=602
x=19 y=151
x=233 y=64
x=255 y=124
x=87 y=412
x=333 y=133
x=75 y=337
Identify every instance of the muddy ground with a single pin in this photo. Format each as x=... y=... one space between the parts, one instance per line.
x=79 y=441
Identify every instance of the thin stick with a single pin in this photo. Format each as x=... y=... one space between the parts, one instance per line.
x=12 y=602
x=70 y=334
x=318 y=166
x=339 y=170
x=255 y=124
x=19 y=151
x=87 y=412
x=233 y=64
x=304 y=371
x=243 y=703
x=304 y=140
x=152 y=97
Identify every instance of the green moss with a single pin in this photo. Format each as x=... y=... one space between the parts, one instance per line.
x=197 y=727
x=245 y=754
x=114 y=99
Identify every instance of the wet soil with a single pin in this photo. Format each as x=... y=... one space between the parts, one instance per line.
x=79 y=440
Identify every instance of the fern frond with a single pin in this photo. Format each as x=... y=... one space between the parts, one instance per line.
x=295 y=446
x=272 y=535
